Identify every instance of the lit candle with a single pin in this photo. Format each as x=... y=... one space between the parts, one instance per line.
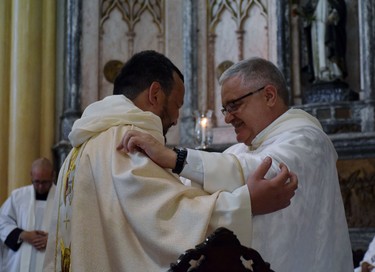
x=204 y=127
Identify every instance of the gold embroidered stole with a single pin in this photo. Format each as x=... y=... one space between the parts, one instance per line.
x=63 y=226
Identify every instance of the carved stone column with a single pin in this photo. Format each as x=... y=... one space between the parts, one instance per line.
x=190 y=18
x=72 y=77
x=366 y=13
x=283 y=39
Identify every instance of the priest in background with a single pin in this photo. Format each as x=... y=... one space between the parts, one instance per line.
x=24 y=219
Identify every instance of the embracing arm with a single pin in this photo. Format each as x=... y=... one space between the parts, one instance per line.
x=266 y=195
x=134 y=140
x=274 y=194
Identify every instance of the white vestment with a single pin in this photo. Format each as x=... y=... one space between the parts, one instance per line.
x=122 y=212
x=1 y=255
x=312 y=233
x=18 y=211
x=369 y=256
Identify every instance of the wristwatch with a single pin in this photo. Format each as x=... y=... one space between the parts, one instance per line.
x=181 y=159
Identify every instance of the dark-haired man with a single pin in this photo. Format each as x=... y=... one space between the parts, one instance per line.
x=122 y=212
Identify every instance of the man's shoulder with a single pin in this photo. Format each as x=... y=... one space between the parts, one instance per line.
x=22 y=190
x=236 y=148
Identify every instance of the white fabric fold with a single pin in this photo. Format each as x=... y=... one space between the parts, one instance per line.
x=112 y=111
x=127 y=213
x=312 y=233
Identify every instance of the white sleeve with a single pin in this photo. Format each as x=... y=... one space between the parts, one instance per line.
x=193 y=170
x=370 y=253
x=7 y=219
x=221 y=172
x=234 y=211
x=215 y=171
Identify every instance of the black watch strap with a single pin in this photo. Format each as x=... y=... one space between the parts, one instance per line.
x=181 y=159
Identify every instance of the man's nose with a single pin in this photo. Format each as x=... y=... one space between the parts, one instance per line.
x=228 y=117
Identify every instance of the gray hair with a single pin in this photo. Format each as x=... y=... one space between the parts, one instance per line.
x=260 y=72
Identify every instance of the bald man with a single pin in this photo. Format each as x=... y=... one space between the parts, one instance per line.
x=24 y=219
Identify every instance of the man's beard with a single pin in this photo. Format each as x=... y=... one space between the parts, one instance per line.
x=164 y=116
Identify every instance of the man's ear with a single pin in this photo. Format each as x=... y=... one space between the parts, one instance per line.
x=270 y=93
x=154 y=93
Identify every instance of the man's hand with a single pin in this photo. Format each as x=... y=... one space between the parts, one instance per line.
x=271 y=195
x=134 y=140
x=366 y=267
x=36 y=238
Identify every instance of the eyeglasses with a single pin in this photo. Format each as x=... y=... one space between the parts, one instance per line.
x=233 y=105
x=41 y=182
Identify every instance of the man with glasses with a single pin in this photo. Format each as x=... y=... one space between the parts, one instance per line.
x=122 y=212
x=25 y=218
x=312 y=233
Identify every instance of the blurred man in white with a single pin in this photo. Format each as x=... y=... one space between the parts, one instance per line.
x=24 y=220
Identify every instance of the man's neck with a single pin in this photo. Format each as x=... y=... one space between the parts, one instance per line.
x=41 y=196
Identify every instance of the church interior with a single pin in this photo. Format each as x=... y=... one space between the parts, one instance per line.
x=57 y=57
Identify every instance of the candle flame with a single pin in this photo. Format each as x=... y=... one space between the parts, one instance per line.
x=204 y=122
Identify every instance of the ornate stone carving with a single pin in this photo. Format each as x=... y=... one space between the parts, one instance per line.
x=358 y=191
x=323 y=92
x=132 y=11
x=239 y=11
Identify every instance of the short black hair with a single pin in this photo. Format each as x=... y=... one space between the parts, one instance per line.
x=141 y=70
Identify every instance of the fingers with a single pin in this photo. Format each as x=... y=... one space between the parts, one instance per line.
x=293 y=181
x=269 y=195
x=41 y=232
x=39 y=240
x=39 y=244
x=283 y=176
x=123 y=145
x=132 y=144
x=262 y=169
x=286 y=175
x=289 y=189
x=131 y=141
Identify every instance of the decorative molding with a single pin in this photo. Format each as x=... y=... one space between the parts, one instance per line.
x=132 y=11
x=359 y=199
x=239 y=11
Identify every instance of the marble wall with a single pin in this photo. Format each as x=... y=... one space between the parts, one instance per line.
x=202 y=37
x=222 y=32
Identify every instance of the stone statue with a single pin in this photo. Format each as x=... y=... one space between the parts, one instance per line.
x=324 y=22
